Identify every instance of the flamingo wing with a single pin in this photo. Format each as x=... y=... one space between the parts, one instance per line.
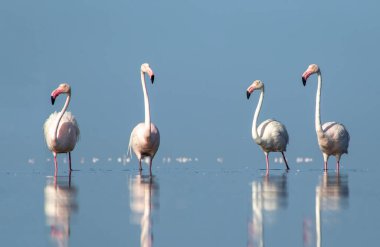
x=338 y=137
x=274 y=135
x=68 y=132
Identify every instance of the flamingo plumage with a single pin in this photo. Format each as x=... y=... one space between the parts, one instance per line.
x=61 y=129
x=271 y=135
x=333 y=137
x=145 y=137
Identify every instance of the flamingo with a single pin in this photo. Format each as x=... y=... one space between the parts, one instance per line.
x=61 y=128
x=333 y=137
x=145 y=137
x=271 y=135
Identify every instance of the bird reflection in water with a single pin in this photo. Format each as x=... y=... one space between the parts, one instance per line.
x=268 y=195
x=60 y=203
x=144 y=191
x=331 y=195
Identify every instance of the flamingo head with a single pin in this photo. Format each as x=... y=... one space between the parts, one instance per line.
x=312 y=69
x=146 y=69
x=62 y=88
x=254 y=86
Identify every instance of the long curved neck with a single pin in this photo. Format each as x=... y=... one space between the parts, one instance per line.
x=60 y=115
x=255 y=116
x=318 y=126
x=146 y=105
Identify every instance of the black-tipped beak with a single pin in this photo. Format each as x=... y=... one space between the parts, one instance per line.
x=304 y=81
x=248 y=95
x=52 y=100
x=152 y=79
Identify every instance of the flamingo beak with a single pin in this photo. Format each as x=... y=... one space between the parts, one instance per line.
x=151 y=75
x=250 y=91
x=248 y=94
x=152 y=78
x=305 y=76
x=55 y=94
x=304 y=81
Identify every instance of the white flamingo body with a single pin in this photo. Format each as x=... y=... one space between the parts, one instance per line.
x=142 y=145
x=61 y=129
x=274 y=136
x=145 y=137
x=67 y=134
x=333 y=138
x=271 y=135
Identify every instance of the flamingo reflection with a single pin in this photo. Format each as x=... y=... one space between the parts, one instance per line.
x=60 y=203
x=330 y=195
x=268 y=195
x=143 y=201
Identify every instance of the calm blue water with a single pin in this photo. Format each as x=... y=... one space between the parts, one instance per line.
x=188 y=204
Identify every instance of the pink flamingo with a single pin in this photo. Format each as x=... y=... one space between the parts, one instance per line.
x=61 y=128
x=271 y=135
x=145 y=137
x=333 y=137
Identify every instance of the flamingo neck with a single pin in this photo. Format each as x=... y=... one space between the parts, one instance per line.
x=60 y=115
x=255 y=116
x=318 y=126
x=146 y=105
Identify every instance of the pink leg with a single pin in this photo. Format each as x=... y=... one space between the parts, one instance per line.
x=55 y=182
x=267 y=160
x=337 y=166
x=325 y=159
x=55 y=164
x=70 y=162
x=286 y=163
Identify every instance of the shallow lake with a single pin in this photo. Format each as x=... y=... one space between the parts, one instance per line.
x=188 y=204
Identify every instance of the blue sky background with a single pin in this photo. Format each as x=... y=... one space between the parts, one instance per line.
x=204 y=54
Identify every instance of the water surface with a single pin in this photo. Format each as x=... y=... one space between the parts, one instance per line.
x=205 y=205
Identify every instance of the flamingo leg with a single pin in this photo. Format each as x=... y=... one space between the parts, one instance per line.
x=286 y=163
x=70 y=162
x=140 y=168
x=70 y=179
x=55 y=182
x=150 y=167
x=337 y=165
x=325 y=159
x=55 y=164
x=267 y=160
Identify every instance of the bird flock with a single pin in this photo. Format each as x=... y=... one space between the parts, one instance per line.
x=62 y=132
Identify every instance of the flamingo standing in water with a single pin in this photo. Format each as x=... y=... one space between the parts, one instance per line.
x=333 y=137
x=61 y=128
x=145 y=137
x=271 y=135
